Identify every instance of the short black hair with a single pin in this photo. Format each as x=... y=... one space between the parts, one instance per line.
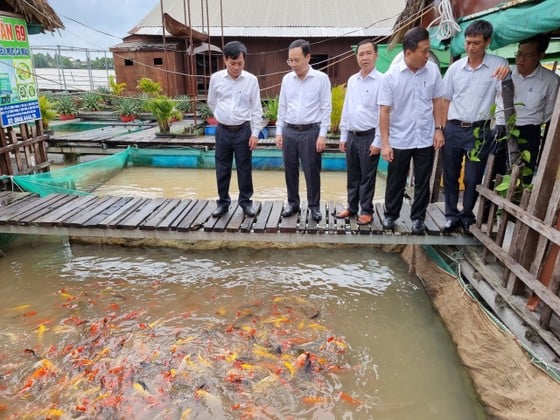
x=301 y=43
x=366 y=41
x=541 y=41
x=413 y=36
x=233 y=49
x=480 y=27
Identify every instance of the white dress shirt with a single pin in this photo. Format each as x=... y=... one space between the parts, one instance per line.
x=534 y=97
x=472 y=92
x=305 y=101
x=359 y=112
x=410 y=96
x=235 y=101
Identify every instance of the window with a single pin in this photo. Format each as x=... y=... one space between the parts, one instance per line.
x=158 y=61
x=128 y=62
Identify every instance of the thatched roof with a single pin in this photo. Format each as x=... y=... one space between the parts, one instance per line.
x=411 y=16
x=34 y=11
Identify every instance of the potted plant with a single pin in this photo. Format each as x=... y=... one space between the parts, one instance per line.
x=66 y=107
x=270 y=113
x=183 y=103
x=127 y=109
x=338 y=93
x=47 y=112
x=163 y=110
x=205 y=113
x=91 y=101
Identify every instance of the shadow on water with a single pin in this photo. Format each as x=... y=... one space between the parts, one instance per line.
x=104 y=331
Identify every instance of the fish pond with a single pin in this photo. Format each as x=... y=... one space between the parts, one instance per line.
x=103 y=331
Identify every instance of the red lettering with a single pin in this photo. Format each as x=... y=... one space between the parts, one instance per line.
x=6 y=31
x=20 y=33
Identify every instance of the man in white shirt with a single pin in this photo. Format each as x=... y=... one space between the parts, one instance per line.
x=304 y=114
x=535 y=91
x=471 y=84
x=357 y=131
x=234 y=97
x=410 y=124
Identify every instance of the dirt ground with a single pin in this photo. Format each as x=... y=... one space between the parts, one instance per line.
x=509 y=385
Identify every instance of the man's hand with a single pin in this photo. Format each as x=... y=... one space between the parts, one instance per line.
x=501 y=73
x=374 y=150
x=387 y=152
x=321 y=142
x=253 y=141
x=279 y=140
x=342 y=146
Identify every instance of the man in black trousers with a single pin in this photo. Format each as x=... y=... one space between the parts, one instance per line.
x=234 y=97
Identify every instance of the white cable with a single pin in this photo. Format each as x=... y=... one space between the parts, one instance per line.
x=448 y=27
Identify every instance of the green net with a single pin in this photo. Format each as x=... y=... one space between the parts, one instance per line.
x=79 y=179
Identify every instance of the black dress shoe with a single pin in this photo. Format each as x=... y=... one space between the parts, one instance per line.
x=220 y=210
x=418 y=227
x=451 y=225
x=388 y=223
x=249 y=211
x=466 y=226
x=289 y=211
x=316 y=215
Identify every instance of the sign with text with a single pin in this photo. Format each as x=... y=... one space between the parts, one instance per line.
x=18 y=89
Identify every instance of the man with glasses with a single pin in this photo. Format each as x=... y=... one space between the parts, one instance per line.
x=471 y=84
x=304 y=114
x=535 y=91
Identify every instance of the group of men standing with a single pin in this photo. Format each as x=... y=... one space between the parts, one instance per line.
x=406 y=114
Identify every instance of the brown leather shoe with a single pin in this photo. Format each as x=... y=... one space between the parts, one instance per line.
x=364 y=219
x=344 y=214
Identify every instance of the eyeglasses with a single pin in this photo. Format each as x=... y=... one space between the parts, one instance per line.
x=295 y=61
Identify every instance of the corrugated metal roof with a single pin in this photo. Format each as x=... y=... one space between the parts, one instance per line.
x=286 y=18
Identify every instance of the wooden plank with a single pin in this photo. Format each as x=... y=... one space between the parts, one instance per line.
x=288 y=224
x=274 y=217
x=262 y=218
x=140 y=213
x=115 y=204
x=58 y=215
x=248 y=221
x=218 y=224
x=94 y=208
x=176 y=215
x=340 y=224
x=375 y=225
x=160 y=214
x=403 y=225
x=118 y=218
x=188 y=222
x=204 y=214
x=302 y=218
x=380 y=212
x=13 y=197
x=63 y=201
x=10 y=213
x=437 y=215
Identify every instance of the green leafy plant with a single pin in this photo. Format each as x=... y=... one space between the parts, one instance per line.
x=116 y=88
x=338 y=93
x=183 y=103
x=91 y=101
x=148 y=86
x=127 y=107
x=47 y=111
x=163 y=109
x=65 y=105
x=270 y=109
x=203 y=111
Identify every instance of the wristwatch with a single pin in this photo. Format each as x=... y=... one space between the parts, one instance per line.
x=440 y=127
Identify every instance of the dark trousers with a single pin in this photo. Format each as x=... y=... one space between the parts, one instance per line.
x=302 y=146
x=532 y=140
x=397 y=173
x=361 y=171
x=231 y=143
x=458 y=143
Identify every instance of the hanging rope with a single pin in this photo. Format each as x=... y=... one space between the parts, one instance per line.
x=448 y=27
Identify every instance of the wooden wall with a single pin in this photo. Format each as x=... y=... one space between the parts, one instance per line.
x=23 y=149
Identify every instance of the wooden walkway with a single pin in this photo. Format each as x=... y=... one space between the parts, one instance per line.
x=191 y=220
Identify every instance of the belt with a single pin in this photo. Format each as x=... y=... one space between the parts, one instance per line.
x=235 y=127
x=465 y=124
x=302 y=127
x=362 y=133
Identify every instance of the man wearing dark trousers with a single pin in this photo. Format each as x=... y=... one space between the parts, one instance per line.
x=357 y=131
x=411 y=127
x=471 y=84
x=535 y=91
x=234 y=97
x=304 y=113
